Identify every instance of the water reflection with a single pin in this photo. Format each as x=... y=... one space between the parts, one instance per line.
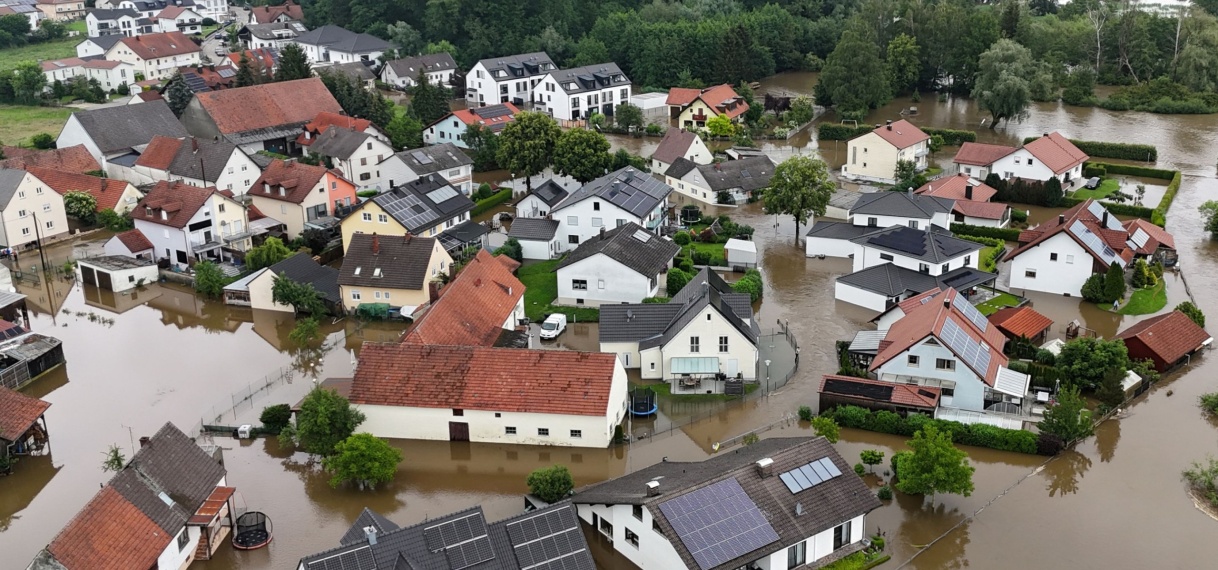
x=1063 y=473
x=1107 y=435
x=29 y=477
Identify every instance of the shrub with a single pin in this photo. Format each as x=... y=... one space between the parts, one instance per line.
x=707 y=236
x=275 y=418
x=1192 y=312
x=750 y=284
x=1132 y=170
x=1093 y=289
x=676 y=281
x=979 y=435
x=1159 y=216
x=686 y=265
x=1045 y=357
x=512 y=249
x=1129 y=210
x=832 y=132
x=1114 y=283
x=953 y=137
x=1093 y=170
x=1209 y=402
x=682 y=238
x=805 y=414
x=551 y=484
x=826 y=428
x=1019 y=216
x=700 y=258
x=1049 y=444
x=488 y=204
x=483 y=192
x=859 y=469
x=898 y=461
x=1102 y=149
x=883 y=494
x=963 y=231
x=654 y=129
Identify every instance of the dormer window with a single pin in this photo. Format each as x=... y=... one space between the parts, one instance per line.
x=283 y=191
x=357 y=270
x=376 y=273
x=147 y=211
x=266 y=187
x=164 y=215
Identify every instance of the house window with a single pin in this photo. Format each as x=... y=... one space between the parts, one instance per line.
x=382 y=218
x=579 y=284
x=183 y=539
x=597 y=222
x=873 y=222
x=632 y=538
x=376 y=294
x=355 y=295
x=367 y=217
x=220 y=208
x=924 y=268
x=885 y=257
x=1029 y=162
x=968 y=259
x=722 y=344
x=46 y=207
x=945 y=364
x=572 y=239
x=600 y=284
x=912 y=360
x=653 y=366
x=620 y=222
x=21 y=194
x=573 y=221
x=945 y=267
x=841 y=536
x=509 y=430
x=1069 y=258
x=913 y=224
x=637 y=511
x=797 y=555
x=577 y=433
x=1030 y=273
x=50 y=224
x=694 y=344
x=1052 y=257
x=363 y=162
x=458 y=412
x=25 y=231
x=544 y=432
x=365 y=176
x=38 y=190
x=596 y=206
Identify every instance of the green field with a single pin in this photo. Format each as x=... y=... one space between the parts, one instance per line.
x=1107 y=187
x=1146 y=301
x=992 y=306
x=10 y=57
x=18 y=124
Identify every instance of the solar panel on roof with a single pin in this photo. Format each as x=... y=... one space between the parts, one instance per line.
x=349 y=560
x=1095 y=244
x=812 y=474
x=1139 y=237
x=969 y=350
x=421 y=157
x=830 y=467
x=455 y=531
x=970 y=312
x=492 y=112
x=227 y=72
x=546 y=540
x=466 y=554
x=906 y=240
x=642 y=235
x=718 y=523
x=1098 y=211
x=442 y=194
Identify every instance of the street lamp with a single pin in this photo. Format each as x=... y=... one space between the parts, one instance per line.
x=767 y=377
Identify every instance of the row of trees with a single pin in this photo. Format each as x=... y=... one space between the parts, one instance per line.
x=533 y=141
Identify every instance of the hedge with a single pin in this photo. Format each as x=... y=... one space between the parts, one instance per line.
x=963 y=231
x=1093 y=170
x=952 y=137
x=1159 y=216
x=832 y=132
x=1102 y=149
x=1132 y=170
x=978 y=435
x=989 y=255
x=488 y=204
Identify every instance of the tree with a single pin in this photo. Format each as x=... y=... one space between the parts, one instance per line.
x=589 y=51
x=43 y=141
x=1093 y=290
x=275 y=418
x=903 y=63
x=1053 y=192
x=907 y=176
x=28 y=82
x=357 y=101
x=306 y=331
x=825 y=427
x=403 y=35
x=526 y=145
x=114 y=221
x=1111 y=391
x=854 y=78
x=428 y=102
x=935 y=144
x=1042 y=7
x=935 y=466
x=271 y=251
x=1209 y=213
x=676 y=280
x=1114 y=282
x=1004 y=81
x=1008 y=21
x=302 y=297
x=871 y=458
x=800 y=188
x=178 y=94
x=404 y=131
x=1079 y=87
x=325 y=419
x=1083 y=361
x=551 y=484
x=246 y=76
x=484 y=146
x=17 y=25
x=80 y=205
x=628 y=116
x=622 y=158
x=1068 y=417
x=209 y=281
x=512 y=249
x=114 y=460
x=581 y=154
x=720 y=126
x=363 y=459
x=1192 y=312
x=293 y=64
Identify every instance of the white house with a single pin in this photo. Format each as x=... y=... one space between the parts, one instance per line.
x=403 y=73
x=108 y=193
x=1059 y=255
x=444 y=160
x=451 y=127
x=977 y=159
x=538 y=237
x=333 y=44
x=680 y=143
x=613 y=200
x=779 y=503
x=62 y=70
x=96 y=46
x=508 y=79
x=110 y=74
x=623 y=265
x=972 y=200
x=703 y=337
x=214 y=9
x=574 y=94
x=692 y=108
x=195 y=161
x=454 y=393
x=114 y=134
x=357 y=154
x=131 y=243
x=875 y=211
x=187 y=223
x=116 y=273
x=1049 y=156
x=731 y=182
x=179 y=19
x=255 y=289
x=874 y=156
x=30 y=210
x=273 y=35
x=286 y=12
x=156 y=56
x=539 y=202
x=122 y=22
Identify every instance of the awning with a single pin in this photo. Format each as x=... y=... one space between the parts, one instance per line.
x=1011 y=383
x=867 y=341
x=695 y=365
x=212 y=506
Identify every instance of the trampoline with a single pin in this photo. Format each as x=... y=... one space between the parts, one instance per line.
x=253 y=531
x=643 y=402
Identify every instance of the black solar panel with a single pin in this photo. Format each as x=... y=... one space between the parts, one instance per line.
x=454 y=532
x=950 y=246
x=467 y=554
x=869 y=391
x=718 y=523
x=360 y=559
x=548 y=540
x=195 y=83
x=492 y=112
x=907 y=240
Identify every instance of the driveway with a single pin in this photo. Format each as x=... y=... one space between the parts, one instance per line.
x=211 y=42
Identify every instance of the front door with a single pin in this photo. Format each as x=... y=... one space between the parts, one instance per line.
x=458 y=431
x=733 y=367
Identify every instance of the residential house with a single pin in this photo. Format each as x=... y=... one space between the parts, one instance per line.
x=692 y=108
x=1059 y=255
x=146 y=8
x=187 y=223
x=116 y=273
x=267 y=116
x=972 y=201
x=507 y=79
x=62 y=10
x=731 y=182
x=579 y=93
x=1050 y=156
x=179 y=19
x=358 y=71
x=75 y=159
x=272 y=35
x=539 y=202
x=390 y=270
x=1150 y=240
x=538 y=237
x=27 y=8
x=1166 y=340
x=873 y=157
x=255 y=290
x=98 y=46
x=289 y=11
x=333 y=44
x=62 y=70
x=482 y=306
x=451 y=128
x=326 y=119
x=1022 y=322
x=110 y=193
x=665 y=340
x=198 y=162
x=623 y=265
x=779 y=503
x=444 y=160
x=357 y=154
x=550 y=535
x=463 y=236
x=30 y=210
x=113 y=134
x=264 y=61
x=875 y=211
x=169 y=505
x=425 y=207
x=653 y=105
x=23 y=427
x=110 y=74
x=440 y=69
x=214 y=9
x=156 y=56
x=302 y=196
x=131 y=243
x=976 y=160
x=680 y=143
x=836 y=390
x=487 y=394
x=613 y=200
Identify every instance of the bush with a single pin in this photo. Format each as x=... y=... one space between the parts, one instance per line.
x=483 y=192
x=275 y=418
x=512 y=249
x=1129 y=210
x=367 y=193
x=700 y=258
x=898 y=461
x=1159 y=216
x=654 y=129
x=43 y=141
x=883 y=494
x=750 y=284
x=805 y=414
x=677 y=280
x=1045 y=357
x=1019 y=216
x=832 y=132
x=1093 y=170
x=1132 y=170
x=1191 y=311
x=1093 y=289
x=686 y=265
x=682 y=238
x=1209 y=402
x=488 y=204
x=859 y=469
x=1102 y=149
x=551 y=484
x=953 y=137
x=979 y=435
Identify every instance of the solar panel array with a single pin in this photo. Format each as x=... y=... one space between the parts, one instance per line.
x=972 y=352
x=442 y=194
x=970 y=312
x=463 y=540
x=470 y=553
x=812 y=474
x=1139 y=237
x=1095 y=244
x=547 y=541
x=226 y=72
x=1098 y=211
x=951 y=246
x=642 y=235
x=350 y=560
x=195 y=83
x=907 y=240
x=637 y=194
x=421 y=157
x=718 y=523
x=407 y=208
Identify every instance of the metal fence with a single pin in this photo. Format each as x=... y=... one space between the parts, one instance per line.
x=244 y=399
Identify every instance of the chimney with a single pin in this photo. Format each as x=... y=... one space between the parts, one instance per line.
x=409 y=236
x=370 y=534
x=1061 y=218
x=629 y=173
x=376 y=244
x=1104 y=221
x=1044 y=134
x=478 y=282
x=144 y=441
x=653 y=488
x=947 y=303
x=889 y=127
x=765 y=467
x=799 y=510
x=433 y=292
x=889 y=122
x=602 y=234
x=194 y=144
x=968 y=192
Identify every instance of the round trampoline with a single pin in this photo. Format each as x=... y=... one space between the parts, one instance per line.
x=253 y=531
x=643 y=402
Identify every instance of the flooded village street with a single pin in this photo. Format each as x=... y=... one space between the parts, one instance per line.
x=1116 y=501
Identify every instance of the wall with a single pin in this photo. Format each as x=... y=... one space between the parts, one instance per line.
x=447 y=130
x=261 y=296
x=583 y=213
x=970 y=390
x=432 y=423
x=1016 y=164
x=38 y=201
x=124 y=279
x=686 y=120
x=173 y=558
x=978 y=172
x=693 y=186
x=865 y=257
x=985 y=222
x=855 y=296
x=608 y=282
x=654 y=552
x=828 y=246
x=363 y=168
x=1064 y=276
x=708 y=326
x=881 y=222
x=229 y=218
x=625 y=351
x=533 y=207
x=537 y=249
x=870 y=156
x=162 y=238
x=355 y=223
x=239 y=173
x=439 y=262
x=73 y=134
x=292 y=215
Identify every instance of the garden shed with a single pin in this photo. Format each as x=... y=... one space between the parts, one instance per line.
x=117 y=273
x=740 y=254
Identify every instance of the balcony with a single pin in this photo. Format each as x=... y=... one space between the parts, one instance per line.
x=700 y=117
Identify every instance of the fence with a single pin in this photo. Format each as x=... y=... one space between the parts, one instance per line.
x=243 y=400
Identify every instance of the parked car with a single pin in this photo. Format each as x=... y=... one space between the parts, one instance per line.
x=220 y=52
x=1093 y=183
x=553 y=326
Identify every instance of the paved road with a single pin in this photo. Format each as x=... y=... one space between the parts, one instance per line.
x=213 y=41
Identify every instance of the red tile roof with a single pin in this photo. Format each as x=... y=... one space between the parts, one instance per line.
x=153 y=46
x=178 y=200
x=983 y=210
x=981 y=154
x=511 y=264
x=267 y=105
x=171 y=12
x=927 y=320
x=262 y=58
x=674 y=145
x=110 y=533
x=325 y=120
x=1169 y=336
x=150 y=95
x=1158 y=236
x=102 y=64
x=473 y=308
x=469 y=117
x=159 y=153
x=483 y=378
x=901 y=134
x=71 y=159
x=212 y=505
x=1021 y=321
x=55 y=64
x=1056 y=152
x=18 y=412
x=902 y=394
x=297 y=179
x=918 y=300
x=1081 y=213
x=134 y=240
x=267 y=14
x=953 y=187
x=107 y=191
x=719 y=96
x=682 y=96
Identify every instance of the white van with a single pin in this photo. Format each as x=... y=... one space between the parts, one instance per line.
x=553 y=326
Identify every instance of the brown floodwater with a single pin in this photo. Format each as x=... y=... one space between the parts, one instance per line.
x=161 y=354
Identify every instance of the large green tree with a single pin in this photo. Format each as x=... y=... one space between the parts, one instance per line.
x=271 y=251
x=581 y=154
x=550 y=484
x=1068 y=417
x=178 y=94
x=246 y=75
x=28 y=82
x=903 y=63
x=325 y=419
x=853 y=79
x=935 y=466
x=429 y=102
x=627 y=115
x=589 y=51
x=483 y=144
x=404 y=131
x=1084 y=360
x=1004 y=83
x=302 y=297
x=363 y=459
x=209 y=281
x=80 y=205
x=526 y=145
x=293 y=64
x=801 y=188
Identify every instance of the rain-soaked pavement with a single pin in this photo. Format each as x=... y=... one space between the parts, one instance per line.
x=1116 y=501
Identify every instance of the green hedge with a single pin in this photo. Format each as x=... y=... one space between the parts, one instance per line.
x=963 y=231
x=952 y=137
x=1093 y=170
x=834 y=132
x=989 y=255
x=1159 y=216
x=1132 y=170
x=978 y=435
x=1125 y=151
x=483 y=206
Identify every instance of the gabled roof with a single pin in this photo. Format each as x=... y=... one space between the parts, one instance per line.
x=436 y=158
x=134 y=240
x=879 y=391
x=264 y=60
x=112 y=14
x=267 y=31
x=674 y=145
x=983 y=210
x=891 y=280
x=1155 y=237
x=682 y=96
x=925 y=245
x=391 y=262
x=1169 y=336
x=357 y=70
x=155 y=46
x=172 y=12
x=337 y=38
x=628 y=189
x=367 y=518
x=18 y=412
x=421 y=204
x=55 y=64
x=10 y=180
x=177 y=199
x=118 y=129
x=190 y=157
x=1021 y=321
x=1056 y=152
x=533 y=229
x=956 y=188
x=520 y=66
x=106 y=191
x=75 y=158
x=901 y=204
x=493 y=117
x=301 y=268
x=550 y=192
x=103 y=42
x=630 y=245
x=287 y=105
x=981 y=154
x=327 y=119
x=654 y=324
x=839 y=230
x=109 y=533
x=680 y=167
x=901 y=134
x=431 y=63
x=265 y=14
x=589 y=78
x=473 y=308
x=484 y=378
x=339 y=142
x=297 y=179
x=749 y=174
x=1091 y=226
x=932 y=318
x=718 y=97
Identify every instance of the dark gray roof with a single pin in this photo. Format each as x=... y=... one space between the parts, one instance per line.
x=337 y=38
x=550 y=192
x=214 y=155
x=824 y=506
x=402 y=262
x=104 y=42
x=533 y=229
x=839 y=230
x=267 y=31
x=102 y=14
x=302 y=269
x=414 y=205
x=638 y=249
x=519 y=66
x=338 y=142
x=462 y=234
x=431 y=62
x=590 y=78
x=904 y=204
x=674 y=145
x=262 y=160
x=436 y=158
x=10 y=180
x=748 y=174
x=680 y=167
x=891 y=281
x=114 y=129
x=633 y=191
x=172 y=464
x=930 y=245
x=654 y=324
x=355 y=69
x=367 y=518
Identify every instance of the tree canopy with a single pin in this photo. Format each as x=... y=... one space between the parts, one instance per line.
x=935 y=466
x=799 y=188
x=293 y=64
x=1084 y=360
x=854 y=79
x=363 y=459
x=80 y=205
x=526 y=145
x=325 y=419
x=1068 y=417
x=581 y=154
x=551 y=484
x=1005 y=81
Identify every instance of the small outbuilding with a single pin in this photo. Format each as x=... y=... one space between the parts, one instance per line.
x=538 y=237
x=131 y=243
x=740 y=254
x=23 y=428
x=1167 y=340
x=1025 y=322
x=117 y=273
x=255 y=289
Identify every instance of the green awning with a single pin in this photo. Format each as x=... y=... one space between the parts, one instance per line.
x=695 y=365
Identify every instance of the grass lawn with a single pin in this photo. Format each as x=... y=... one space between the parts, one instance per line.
x=541 y=288
x=1107 y=187
x=933 y=171
x=1146 y=301
x=77 y=26
x=59 y=49
x=859 y=561
x=664 y=391
x=18 y=124
x=993 y=305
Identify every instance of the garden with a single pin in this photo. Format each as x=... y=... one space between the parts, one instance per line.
x=703 y=241
x=541 y=288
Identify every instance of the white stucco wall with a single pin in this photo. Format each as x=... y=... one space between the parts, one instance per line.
x=173 y=558
x=855 y=296
x=708 y=326
x=446 y=130
x=1017 y=164
x=970 y=389
x=814 y=246
x=1065 y=276
x=73 y=134
x=627 y=353
x=261 y=296
x=123 y=279
x=608 y=282
x=588 y=220
x=865 y=257
x=942 y=220
x=654 y=552
x=532 y=207
x=871 y=157
x=538 y=249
